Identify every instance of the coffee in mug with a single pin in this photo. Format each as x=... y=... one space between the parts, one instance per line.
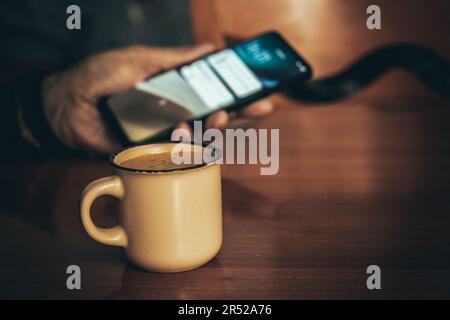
x=170 y=214
x=160 y=161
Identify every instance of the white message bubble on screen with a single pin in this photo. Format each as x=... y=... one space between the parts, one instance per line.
x=207 y=85
x=235 y=72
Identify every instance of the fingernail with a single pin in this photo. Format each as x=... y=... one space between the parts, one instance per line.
x=266 y=105
x=207 y=46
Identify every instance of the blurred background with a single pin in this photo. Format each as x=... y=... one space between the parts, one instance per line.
x=362 y=181
x=332 y=33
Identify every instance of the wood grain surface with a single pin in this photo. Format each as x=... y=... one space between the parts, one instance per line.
x=362 y=181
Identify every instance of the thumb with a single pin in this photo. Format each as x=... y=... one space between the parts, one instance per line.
x=120 y=69
x=164 y=58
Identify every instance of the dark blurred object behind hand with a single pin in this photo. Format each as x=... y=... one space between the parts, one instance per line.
x=37 y=43
x=52 y=77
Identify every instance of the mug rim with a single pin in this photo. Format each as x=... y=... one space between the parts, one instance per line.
x=214 y=160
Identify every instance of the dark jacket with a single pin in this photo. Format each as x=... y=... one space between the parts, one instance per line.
x=36 y=42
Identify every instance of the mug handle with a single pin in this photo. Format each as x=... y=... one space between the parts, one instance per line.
x=113 y=186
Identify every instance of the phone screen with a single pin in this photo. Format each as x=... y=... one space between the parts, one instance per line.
x=229 y=77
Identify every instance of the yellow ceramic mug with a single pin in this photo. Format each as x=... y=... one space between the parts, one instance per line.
x=170 y=220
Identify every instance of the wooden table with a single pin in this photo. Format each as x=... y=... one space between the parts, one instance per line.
x=361 y=182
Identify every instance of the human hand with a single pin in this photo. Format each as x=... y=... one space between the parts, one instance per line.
x=70 y=97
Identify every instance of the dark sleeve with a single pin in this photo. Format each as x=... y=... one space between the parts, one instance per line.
x=23 y=127
x=32 y=48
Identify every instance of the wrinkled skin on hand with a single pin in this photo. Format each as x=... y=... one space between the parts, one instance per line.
x=70 y=97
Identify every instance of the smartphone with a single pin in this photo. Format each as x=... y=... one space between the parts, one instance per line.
x=226 y=79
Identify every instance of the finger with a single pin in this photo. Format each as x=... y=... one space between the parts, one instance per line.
x=259 y=108
x=120 y=69
x=117 y=70
x=89 y=132
x=107 y=146
x=169 y=57
x=103 y=143
x=185 y=133
x=217 y=120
